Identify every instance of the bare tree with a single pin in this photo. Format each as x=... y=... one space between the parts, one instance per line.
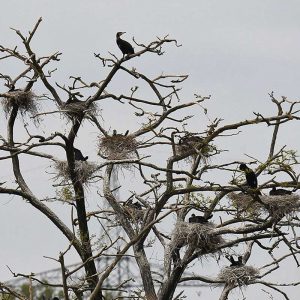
x=230 y=214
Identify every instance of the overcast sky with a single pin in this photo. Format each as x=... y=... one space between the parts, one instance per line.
x=236 y=51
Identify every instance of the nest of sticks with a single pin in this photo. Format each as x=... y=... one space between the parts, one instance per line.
x=117 y=147
x=135 y=214
x=280 y=206
x=26 y=102
x=196 y=235
x=277 y=206
x=244 y=203
x=84 y=170
x=78 y=109
x=191 y=145
x=241 y=275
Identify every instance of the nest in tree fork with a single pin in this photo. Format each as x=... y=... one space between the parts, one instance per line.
x=117 y=147
x=277 y=206
x=136 y=215
x=191 y=145
x=280 y=206
x=244 y=203
x=196 y=235
x=84 y=170
x=26 y=102
x=241 y=275
x=76 y=109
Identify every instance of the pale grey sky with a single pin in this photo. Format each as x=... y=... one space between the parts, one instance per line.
x=237 y=51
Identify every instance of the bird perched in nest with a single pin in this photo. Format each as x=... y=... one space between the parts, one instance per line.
x=73 y=99
x=199 y=219
x=135 y=205
x=251 y=177
x=279 y=192
x=78 y=155
x=12 y=88
x=119 y=134
x=235 y=263
x=124 y=46
x=190 y=139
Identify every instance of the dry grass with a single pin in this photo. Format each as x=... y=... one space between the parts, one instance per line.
x=26 y=102
x=117 y=147
x=277 y=206
x=238 y=275
x=84 y=170
x=196 y=235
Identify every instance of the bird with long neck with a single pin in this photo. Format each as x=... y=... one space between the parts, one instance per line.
x=124 y=46
x=251 y=177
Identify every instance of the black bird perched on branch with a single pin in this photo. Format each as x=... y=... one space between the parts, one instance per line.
x=199 y=219
x=124 y=46
x=235 y=263
x=78 y=155
x=250 y=176
x=279 y=192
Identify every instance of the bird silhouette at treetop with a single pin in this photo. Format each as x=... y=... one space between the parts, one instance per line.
x=279 y=192
x=124 y=46
x=78 y=155
x=199 y=219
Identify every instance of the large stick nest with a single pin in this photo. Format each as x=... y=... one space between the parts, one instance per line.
x=26 y=102
x=241 y=275
x=135 y=214
x=196 y=235
x=277 y=206
x=117 y=147
x=280 y=206
x=77 y=109
x=84 y=170
x=192 y=145
x=245 y=204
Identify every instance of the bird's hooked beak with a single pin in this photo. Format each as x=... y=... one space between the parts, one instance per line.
x=120 y=33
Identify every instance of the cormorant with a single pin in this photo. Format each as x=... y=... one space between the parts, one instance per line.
x=235 y=263
x=124 y=46
x=279 y=192
x=132 y=204
x=78 y=155
x=72 y=99
x=115 y=133
x=250 y=176
x=199 y=219
x=190 y=139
